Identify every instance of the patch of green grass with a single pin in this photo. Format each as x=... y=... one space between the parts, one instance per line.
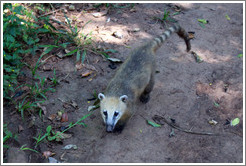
x=26 y=106
x=51 y=135
x=22 y=31
x=167 y=17
x=40 y=138
x=21 y=35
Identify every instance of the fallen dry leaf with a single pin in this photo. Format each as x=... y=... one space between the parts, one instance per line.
x=90 y=67
x=47 y=154
x=60 y=136
x=66 y=105
x=47 y=67
x=74 y=104
x=92 y=77
x=86 y=73
x=20 y=128
x=79 y=65
x=43 y=108
x=52 y=117
x=64 y=117
x=212 y=122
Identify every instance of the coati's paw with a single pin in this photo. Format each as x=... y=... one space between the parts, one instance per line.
x=144 y=98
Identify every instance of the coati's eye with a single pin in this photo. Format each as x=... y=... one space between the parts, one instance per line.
x=116 y=113
x=105 y=112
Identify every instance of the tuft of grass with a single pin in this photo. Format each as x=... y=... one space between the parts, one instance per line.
x=54 y=79
x=51 y=135
x=167 y=17
x=23 y=147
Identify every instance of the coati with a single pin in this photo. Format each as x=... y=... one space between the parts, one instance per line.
x=134 y=80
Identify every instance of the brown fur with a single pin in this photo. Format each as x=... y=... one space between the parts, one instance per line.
x=135 y=78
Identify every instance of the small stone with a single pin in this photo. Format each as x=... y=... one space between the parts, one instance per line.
x=133 y=10
x=70 y=146
x=135 y=30
x=47 y=67
x=53 y=160
x=117 y=35
x=99 y=14
x=212 y=122
x=71 y=7
x=108 y=20
x=64 y=10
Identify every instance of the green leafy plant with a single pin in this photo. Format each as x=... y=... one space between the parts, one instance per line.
x=39 y=139
x=51 y=135
x=20 y=37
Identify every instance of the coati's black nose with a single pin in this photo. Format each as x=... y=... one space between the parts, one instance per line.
x=109 y=128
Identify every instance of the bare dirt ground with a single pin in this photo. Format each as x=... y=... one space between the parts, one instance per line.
x=185 y=91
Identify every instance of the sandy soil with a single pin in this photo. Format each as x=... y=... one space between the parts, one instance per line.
x=185 y=91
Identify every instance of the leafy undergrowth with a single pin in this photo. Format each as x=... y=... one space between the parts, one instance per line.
x=30 y=33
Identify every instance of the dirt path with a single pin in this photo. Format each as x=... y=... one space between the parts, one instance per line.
x=185 y=90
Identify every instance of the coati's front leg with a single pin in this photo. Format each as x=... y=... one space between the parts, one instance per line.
x=145 y=96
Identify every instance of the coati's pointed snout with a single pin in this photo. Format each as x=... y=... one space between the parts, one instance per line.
x=109 y=128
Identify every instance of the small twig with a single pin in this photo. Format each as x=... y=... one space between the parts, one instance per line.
x=51 y=12
x=62 y=100
x=159 y=119
x=64 y=78
x=42 y=61
x=191 y=128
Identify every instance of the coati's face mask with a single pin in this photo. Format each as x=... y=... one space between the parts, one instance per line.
x=112 y=109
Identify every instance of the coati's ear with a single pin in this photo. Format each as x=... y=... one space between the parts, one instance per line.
x=101 y=96
x=124 y=98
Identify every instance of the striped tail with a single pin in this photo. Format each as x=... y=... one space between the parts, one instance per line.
x=157 y=42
